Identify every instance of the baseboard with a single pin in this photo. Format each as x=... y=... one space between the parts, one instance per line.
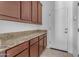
x=58 y=49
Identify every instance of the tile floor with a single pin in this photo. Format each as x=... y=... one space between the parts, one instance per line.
x=54 y=53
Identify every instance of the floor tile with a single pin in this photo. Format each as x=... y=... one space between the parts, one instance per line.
x=54 y=53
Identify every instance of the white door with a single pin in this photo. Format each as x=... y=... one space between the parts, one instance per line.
x=61 y=29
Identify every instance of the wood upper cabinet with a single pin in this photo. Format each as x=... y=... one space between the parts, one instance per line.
x=39 y=13
x=34 y=12
x=31 y=48
x=10 y=9
x=21 y=11
x=26 y=10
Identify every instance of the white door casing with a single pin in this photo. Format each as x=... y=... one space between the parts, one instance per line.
x=75 y=28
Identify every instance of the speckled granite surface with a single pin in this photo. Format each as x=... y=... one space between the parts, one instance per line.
x=9 y=40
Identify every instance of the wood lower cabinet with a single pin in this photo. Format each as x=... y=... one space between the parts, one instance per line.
x=41 y=46
x=45 y=42
x=42 y=43
x=34 y=47
x=24 y=53
x=34 y=50
x=33 y=41
x=14 y=51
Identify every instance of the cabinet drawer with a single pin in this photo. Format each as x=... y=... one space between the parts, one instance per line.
x=45 y=35
x=25 y=53
x=15 y=50
x=41 y=37
x=33 y=40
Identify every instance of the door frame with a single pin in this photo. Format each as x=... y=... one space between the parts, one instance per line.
x=75 y=29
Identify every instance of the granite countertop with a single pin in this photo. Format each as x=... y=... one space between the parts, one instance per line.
x=8 y=41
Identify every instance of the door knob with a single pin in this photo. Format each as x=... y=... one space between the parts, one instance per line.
x=78 y=29
x=66 y=28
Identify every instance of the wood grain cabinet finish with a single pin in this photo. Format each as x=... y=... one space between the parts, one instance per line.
x=26 y=9
x=17 y=49
x=34 y=47
x=10 y=9
x=39 y=13
x=41 y=37
x=34 y=50
x=33 y=41
x=45 y=42
x=21 y=11
x=41 y=46
x=34 y=12
x=25 y=53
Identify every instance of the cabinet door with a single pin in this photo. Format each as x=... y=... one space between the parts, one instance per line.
x=34 y=11
x=45 y=42
x=26 y=10
x=40 y=46
x=25 y=53
x=17 y=49
x=10 y=9
x=34 y=50
x=39 y=13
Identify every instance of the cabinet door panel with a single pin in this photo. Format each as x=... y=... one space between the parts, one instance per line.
x=45 y=42
x=34 y=50
x=25 y=53
x=15 y=50
x=39 y=13
x=10 y=8
x=40 y=46
x=26 y=10
x=34 y=12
